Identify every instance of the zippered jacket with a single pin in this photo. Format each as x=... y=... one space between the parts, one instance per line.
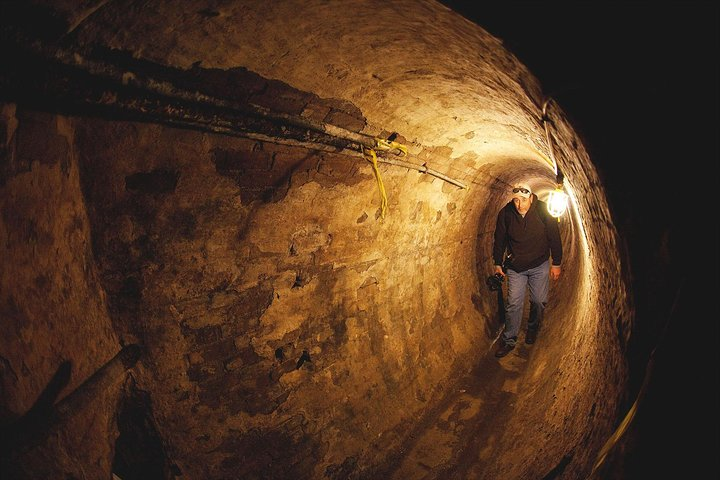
x=529 y=240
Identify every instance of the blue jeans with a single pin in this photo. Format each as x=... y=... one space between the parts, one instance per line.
x=538 y=281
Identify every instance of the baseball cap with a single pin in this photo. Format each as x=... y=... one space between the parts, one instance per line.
x=521 y=190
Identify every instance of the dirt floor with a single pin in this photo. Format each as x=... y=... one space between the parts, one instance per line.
x=454 y=440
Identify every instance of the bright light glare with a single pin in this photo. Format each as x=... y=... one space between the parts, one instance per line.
x=557 y=202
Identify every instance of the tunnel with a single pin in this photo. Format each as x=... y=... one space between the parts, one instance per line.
x=250 y=240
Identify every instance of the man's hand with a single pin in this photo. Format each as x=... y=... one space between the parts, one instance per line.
x=555 y=272
x=498 y=269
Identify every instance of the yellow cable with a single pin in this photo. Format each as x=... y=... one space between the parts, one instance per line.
x=384 y=145
x=372 y=158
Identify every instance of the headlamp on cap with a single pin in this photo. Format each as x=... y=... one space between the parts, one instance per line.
x=521 y=190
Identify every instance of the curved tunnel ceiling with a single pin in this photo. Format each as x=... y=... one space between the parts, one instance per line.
x=288 y=328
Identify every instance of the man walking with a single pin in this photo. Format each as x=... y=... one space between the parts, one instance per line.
x=530 y=236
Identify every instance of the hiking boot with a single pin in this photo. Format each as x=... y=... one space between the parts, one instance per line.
x=531 y=336
x=504 y=349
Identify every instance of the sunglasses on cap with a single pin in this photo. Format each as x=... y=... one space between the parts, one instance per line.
x=521 y=190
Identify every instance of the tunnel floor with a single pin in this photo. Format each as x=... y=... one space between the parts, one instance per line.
x=457 y=438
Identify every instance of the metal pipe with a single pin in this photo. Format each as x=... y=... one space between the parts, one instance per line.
x=102 y=84
x=33 y=428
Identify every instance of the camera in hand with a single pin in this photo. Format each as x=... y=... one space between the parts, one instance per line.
x=495 y=282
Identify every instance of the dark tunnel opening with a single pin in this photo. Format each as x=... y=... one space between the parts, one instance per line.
x=139 y=451
x=616 y=87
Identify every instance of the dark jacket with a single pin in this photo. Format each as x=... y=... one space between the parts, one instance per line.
x=530 y=239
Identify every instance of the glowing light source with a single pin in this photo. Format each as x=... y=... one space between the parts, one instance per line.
x=557 y=202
